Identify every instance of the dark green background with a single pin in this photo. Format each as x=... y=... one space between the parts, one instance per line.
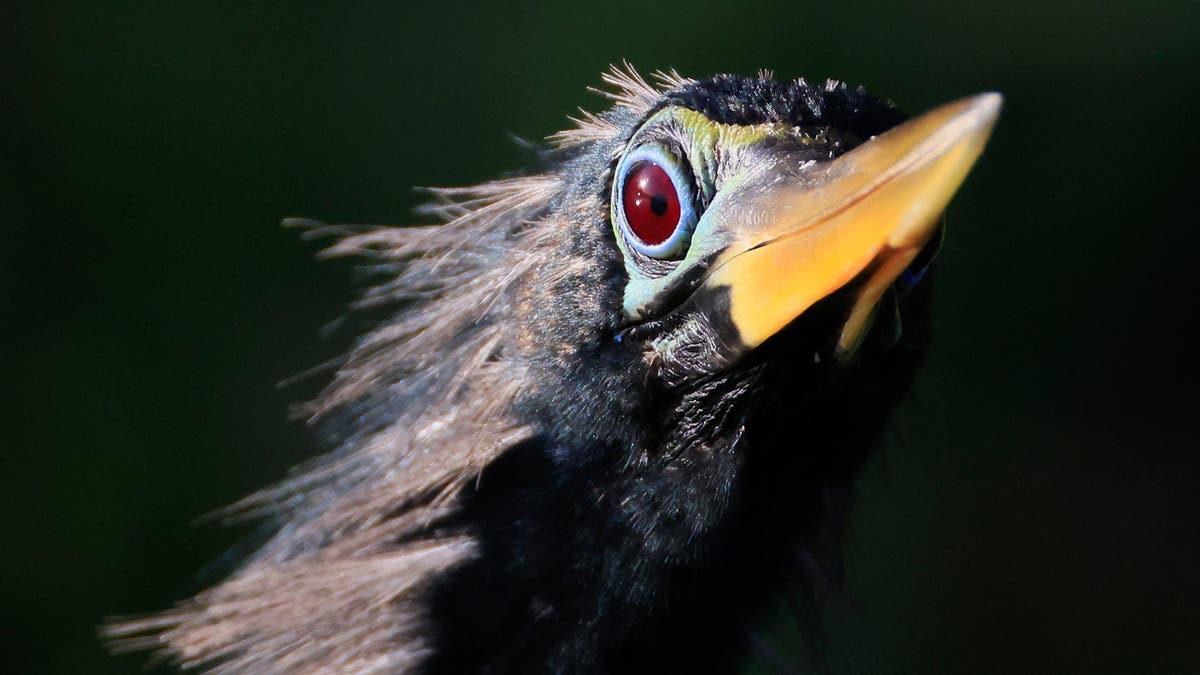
x=1035 y=510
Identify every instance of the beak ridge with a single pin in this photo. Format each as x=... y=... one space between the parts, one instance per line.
x=796 y=239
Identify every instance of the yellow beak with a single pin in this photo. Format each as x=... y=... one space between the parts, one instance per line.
x=798 y=235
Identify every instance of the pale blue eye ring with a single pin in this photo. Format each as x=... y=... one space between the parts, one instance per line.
x=674 y=246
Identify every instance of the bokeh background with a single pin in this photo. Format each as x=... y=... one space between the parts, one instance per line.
x=1035 y=509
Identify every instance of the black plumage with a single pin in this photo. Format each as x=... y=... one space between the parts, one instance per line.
x=535 y=473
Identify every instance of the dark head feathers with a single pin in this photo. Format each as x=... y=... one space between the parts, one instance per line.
x=737 y=99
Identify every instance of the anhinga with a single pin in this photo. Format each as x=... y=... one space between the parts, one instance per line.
x=615 y=398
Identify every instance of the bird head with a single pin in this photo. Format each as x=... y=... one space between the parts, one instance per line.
x=635 y=371
x=722 y=228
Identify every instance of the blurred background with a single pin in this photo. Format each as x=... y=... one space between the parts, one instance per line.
x=1035 y=509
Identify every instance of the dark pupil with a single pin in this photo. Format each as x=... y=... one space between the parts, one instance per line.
x=651 y=203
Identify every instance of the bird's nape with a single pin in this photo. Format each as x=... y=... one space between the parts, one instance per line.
x=615 y=400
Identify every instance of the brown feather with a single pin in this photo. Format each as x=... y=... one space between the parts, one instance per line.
x=335 y=589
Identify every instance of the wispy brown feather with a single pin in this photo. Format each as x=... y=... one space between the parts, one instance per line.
x=334 y=589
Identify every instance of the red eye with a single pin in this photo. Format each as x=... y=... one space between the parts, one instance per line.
x=651 y=203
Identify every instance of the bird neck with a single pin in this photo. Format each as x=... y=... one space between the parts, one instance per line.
x=610 y=559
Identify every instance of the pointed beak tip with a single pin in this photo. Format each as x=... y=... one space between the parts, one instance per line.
x=989 y=102
x=984 y=109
